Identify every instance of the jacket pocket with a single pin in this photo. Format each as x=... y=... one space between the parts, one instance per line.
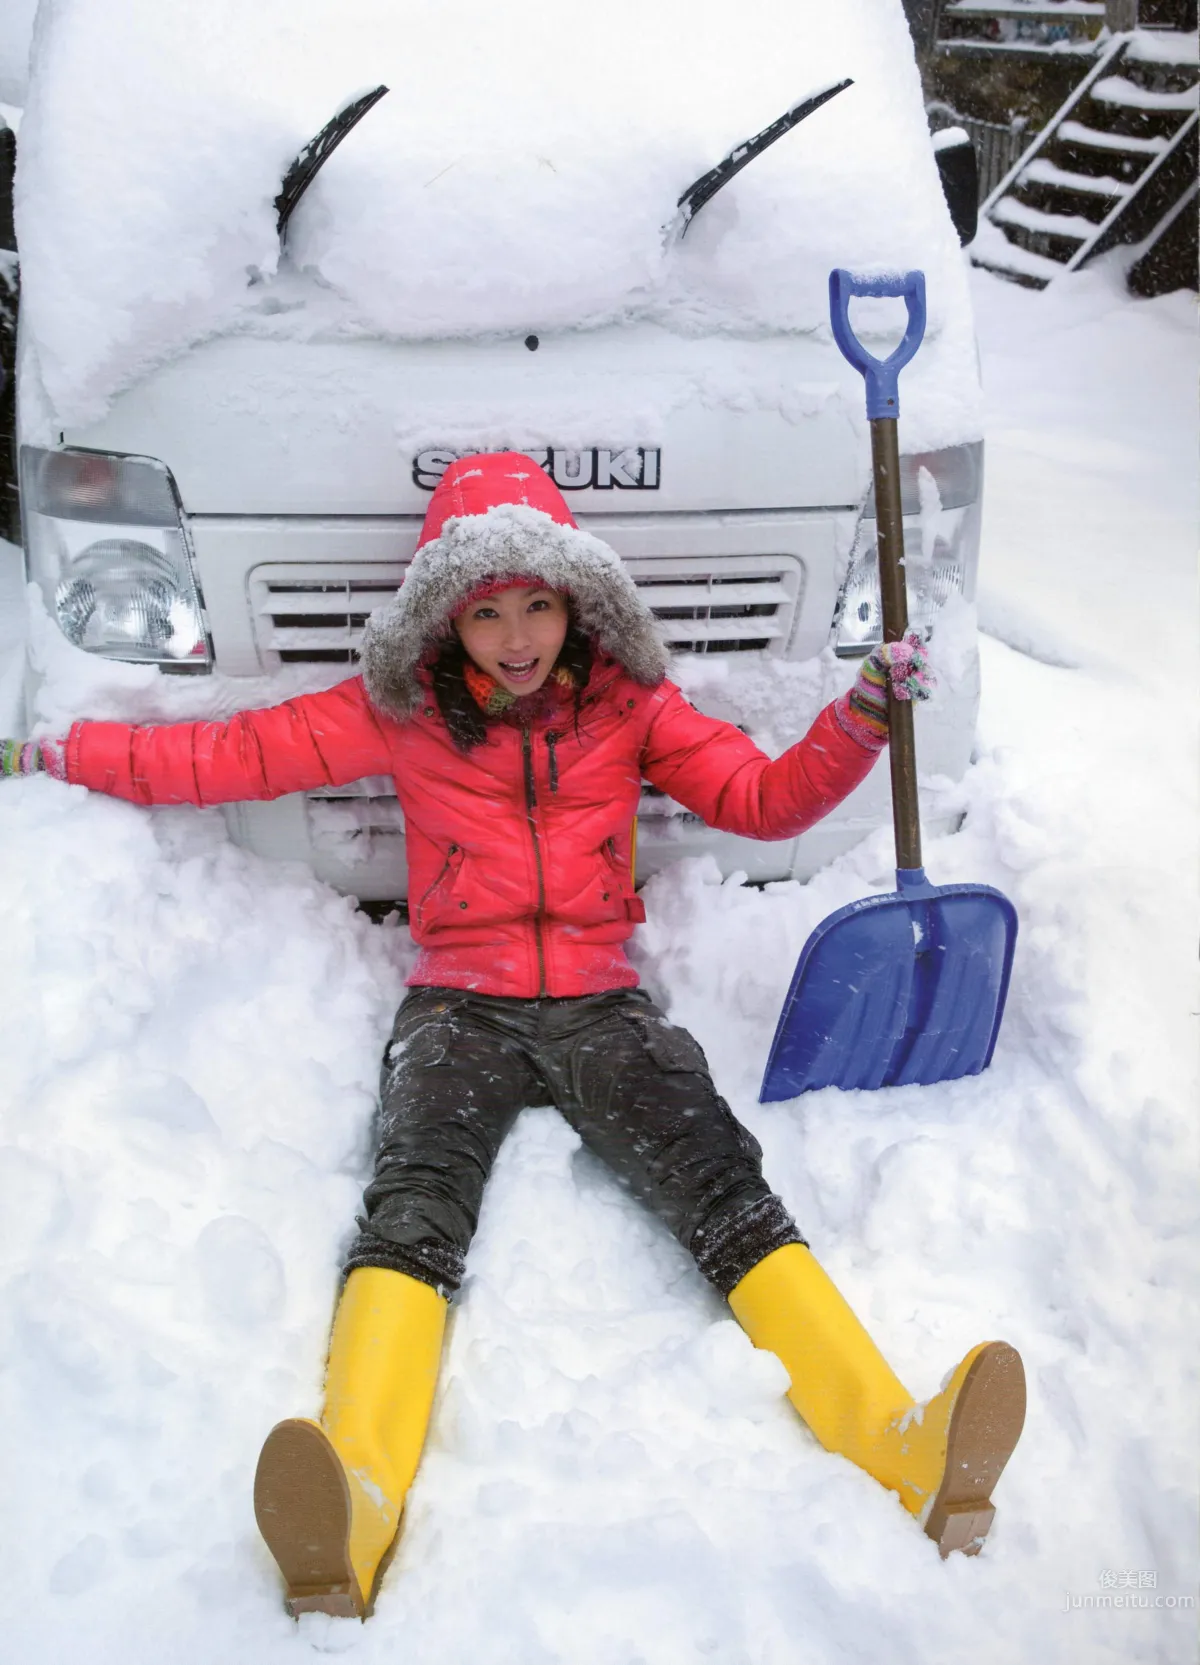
x=620 y=879
x=435 y=893
x=620 y=868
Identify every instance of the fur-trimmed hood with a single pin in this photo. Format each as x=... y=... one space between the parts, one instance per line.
x=495 y=517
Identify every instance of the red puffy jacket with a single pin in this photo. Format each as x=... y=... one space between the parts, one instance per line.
x=518 y=852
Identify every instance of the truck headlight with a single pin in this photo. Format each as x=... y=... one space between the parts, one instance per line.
x=940 y=493
x=106 y=541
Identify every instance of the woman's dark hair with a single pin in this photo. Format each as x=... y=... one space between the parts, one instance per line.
x=458 y=706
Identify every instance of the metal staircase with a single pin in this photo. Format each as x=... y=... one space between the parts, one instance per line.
x=1117 y=163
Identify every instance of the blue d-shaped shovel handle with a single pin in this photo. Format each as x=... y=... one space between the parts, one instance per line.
x=881 y=374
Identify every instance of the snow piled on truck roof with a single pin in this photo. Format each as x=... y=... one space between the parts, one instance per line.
x=520 y=176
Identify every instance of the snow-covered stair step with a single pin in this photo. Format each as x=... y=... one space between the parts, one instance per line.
x=1115 y=89
x=1076 y=133
x=993 y=251
x=1163 y=46
x=1012 y=211
x=1042 y=172
x=1079 y=180
x=1023 y=8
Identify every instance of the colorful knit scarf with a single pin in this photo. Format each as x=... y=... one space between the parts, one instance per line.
x=495 y=700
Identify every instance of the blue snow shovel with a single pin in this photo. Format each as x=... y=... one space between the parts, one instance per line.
x=907 y=988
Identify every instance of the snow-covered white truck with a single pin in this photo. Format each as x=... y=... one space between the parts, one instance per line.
x=229 y=433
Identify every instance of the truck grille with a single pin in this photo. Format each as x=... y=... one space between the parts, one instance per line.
x=355 y=823
x=314 y=617
x=306 y=615
x=718 y=612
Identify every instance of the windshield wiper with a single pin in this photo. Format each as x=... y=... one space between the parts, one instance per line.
x=706 y=187
x=317 y=152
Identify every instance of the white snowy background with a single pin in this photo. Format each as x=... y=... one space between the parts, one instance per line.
x=189 y=1039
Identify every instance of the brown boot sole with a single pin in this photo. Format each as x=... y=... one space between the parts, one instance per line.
x=985 y=1425
x=302 y=1505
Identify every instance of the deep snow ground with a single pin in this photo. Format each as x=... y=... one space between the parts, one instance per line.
x=190 y=1038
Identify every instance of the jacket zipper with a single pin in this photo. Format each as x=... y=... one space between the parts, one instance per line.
x=450 y=853
x=531 y=817
x=551 y=742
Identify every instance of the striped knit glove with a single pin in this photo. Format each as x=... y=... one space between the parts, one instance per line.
x=902 y=667
x=33 y=757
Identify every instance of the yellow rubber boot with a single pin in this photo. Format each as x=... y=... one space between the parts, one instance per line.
x=328 y=1496
x=943 y=1458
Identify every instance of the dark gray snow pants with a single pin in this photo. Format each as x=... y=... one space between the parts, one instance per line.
x=636 y=1089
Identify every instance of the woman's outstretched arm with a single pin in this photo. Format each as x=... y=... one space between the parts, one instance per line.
x=714 y=770
x=321 y=739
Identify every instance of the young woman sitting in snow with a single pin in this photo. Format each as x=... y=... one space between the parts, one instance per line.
x=516 y=690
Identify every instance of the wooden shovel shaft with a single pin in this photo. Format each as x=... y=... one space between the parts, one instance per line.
x=889 y=521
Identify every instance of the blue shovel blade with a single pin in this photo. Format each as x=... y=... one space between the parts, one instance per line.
x=896 y=990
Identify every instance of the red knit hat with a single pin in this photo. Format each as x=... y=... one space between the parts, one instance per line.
x=473 y=485
x=494 y=586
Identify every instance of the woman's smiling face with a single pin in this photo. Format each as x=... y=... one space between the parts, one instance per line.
x=516 y=634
